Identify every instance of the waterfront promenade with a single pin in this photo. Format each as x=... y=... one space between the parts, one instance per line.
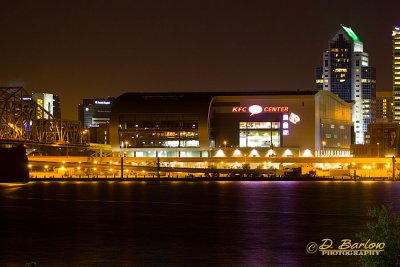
x=222 y=168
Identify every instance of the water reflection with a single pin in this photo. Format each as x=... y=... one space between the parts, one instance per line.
x=181 y=223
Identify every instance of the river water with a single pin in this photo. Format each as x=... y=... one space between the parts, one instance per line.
x=183 y=223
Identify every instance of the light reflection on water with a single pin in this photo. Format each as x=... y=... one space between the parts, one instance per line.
x=183 y=223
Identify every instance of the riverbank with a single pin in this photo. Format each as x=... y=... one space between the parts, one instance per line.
x=205 y=179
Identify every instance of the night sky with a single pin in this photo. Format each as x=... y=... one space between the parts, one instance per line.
x=85 y=49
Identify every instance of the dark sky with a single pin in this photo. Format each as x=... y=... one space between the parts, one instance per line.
x=84 y=49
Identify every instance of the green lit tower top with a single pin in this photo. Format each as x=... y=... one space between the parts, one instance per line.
x=351 y=33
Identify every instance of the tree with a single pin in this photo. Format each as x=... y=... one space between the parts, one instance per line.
x=384 y=227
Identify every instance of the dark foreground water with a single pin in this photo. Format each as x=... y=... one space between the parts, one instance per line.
x=183 y=223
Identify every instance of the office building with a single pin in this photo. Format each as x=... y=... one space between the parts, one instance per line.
x=396 y=73
x=95 y=112
x=347 y=74
x=383 y=106
x=262 y=124
x=50 y=103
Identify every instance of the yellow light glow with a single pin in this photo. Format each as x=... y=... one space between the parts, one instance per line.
x=220 y=153
x=307 y=153
x=254 y=153
x=237 y=153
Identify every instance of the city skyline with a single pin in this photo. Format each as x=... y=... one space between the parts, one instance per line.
x=84 y=50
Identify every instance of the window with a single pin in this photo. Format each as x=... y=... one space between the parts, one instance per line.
x=260 y=134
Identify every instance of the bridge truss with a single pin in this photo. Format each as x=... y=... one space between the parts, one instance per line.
x=21 y=118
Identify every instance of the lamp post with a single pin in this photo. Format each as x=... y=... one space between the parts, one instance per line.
x=323 y=147
x=225 y=147
x=378 y=149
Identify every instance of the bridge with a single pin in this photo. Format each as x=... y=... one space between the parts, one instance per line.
x=23 y=120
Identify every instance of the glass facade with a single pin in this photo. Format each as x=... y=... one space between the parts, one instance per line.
x=396 y=73
x=368 y=88
x=158 y=131
x=340 y=68
x=260 y=134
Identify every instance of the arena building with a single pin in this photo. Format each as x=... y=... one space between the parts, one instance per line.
x=261 y=124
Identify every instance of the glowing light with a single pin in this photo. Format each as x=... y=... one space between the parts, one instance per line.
x=254 y=153
x=270 y=153
x=255 y=109
x=220 y=153
x=237 y=153
x=288 y=153
x=351 y=33
x=307 y=153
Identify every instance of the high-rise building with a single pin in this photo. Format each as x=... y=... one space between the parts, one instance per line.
x=346 y=73
x=396 y=73
x=383 y=106
x=50 y=103
x=94 y=112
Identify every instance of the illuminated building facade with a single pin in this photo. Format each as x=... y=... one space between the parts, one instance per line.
x=310 y=123
x=396 y=73
x=50 y=102
x=381 y=139
x=346 y=73
x=383 y=106
x=94 y=112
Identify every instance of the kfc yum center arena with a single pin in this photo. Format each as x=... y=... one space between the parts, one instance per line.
x=258 y=124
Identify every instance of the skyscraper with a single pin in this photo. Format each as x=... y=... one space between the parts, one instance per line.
x=346 y=73
x=396 y=73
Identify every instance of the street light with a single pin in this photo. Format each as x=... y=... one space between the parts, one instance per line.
x=323 y=147
x=378 y=149
x=225 y=146
x=126 y=148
